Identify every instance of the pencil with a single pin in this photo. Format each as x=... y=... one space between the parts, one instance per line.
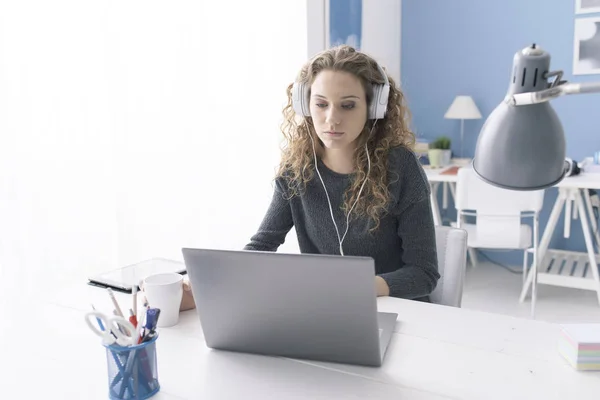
x=135 y=300
x=115 y=303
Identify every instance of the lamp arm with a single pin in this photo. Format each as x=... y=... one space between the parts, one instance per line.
x=542 y=96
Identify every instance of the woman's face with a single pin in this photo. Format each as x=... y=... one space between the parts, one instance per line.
x=338 y=107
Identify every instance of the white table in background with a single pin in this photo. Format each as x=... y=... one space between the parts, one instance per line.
x=448 y=183
x=437 y=352
x=557 y=267
x=570 y=268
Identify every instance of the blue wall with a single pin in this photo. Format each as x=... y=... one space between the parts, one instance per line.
x=466 y=47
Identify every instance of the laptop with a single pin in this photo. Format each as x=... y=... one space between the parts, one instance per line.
x=304 y=306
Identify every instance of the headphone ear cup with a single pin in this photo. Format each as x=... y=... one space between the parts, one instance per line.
x=378 y=107
x=300 y=101
x=374 y=102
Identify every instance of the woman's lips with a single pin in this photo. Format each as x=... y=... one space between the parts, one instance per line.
x=334 y=133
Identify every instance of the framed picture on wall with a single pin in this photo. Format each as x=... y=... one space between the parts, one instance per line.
x=586 y=47
x=587 y=6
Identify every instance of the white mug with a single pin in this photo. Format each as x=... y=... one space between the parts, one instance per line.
x=164 y=291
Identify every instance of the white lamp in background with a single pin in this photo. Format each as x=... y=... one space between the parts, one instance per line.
x=463 y=107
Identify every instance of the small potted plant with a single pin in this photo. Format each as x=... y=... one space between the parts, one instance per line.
x=439 y=152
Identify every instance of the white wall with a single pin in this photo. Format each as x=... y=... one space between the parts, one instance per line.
x=381 y=31
x=131 y=129
x=317 y=25
x=203 y=177
x=56 y=140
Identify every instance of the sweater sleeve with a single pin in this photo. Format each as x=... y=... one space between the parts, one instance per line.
x=419 y=275
x=275 y=225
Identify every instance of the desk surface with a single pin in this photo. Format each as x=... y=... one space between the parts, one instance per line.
x=435 y=174
x=581 y=181
x=436 y=352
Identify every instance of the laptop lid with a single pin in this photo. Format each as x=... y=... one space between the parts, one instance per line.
x=317 y=307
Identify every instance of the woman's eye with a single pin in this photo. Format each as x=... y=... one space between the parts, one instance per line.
x=348 y=106
x=321 y=105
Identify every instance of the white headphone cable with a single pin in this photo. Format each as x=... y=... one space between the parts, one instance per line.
x=341 y=240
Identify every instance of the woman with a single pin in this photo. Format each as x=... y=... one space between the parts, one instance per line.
x=348 y=180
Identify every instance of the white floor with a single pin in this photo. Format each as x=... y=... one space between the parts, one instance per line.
x=491 y=288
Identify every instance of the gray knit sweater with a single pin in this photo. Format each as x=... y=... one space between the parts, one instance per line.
x=403 y=247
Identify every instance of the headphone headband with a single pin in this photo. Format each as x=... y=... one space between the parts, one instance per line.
x=382 y=72
x=377 y=108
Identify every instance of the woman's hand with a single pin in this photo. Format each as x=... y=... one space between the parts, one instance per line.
x=381 y=286
x=187 y=300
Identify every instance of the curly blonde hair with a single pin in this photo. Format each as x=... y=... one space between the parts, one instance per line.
x=297 y=164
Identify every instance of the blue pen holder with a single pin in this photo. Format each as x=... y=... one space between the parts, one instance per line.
x=132 y=371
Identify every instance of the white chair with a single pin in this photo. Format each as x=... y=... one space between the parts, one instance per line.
x=452 y=261
x=498 y=213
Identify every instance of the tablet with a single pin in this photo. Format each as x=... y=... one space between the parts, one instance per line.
x=123 y=279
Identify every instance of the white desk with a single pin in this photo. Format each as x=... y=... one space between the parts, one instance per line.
x=437 y=352
x=568 y=268
x=556 y=267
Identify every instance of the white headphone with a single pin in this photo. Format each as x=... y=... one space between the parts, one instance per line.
x=377 y=110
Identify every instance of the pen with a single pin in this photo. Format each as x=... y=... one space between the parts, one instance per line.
x=132 y=318
x=141 y=323
x=151 y=318
x=151 y=323
x=115 y=303
x=149 y=337
x=101 y=325
x=135 y=289
x=99 y=320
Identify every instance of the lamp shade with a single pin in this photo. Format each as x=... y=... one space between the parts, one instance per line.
x=463 y=107
x=521 y=147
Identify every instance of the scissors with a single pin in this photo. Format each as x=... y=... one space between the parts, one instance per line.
x=112 y=329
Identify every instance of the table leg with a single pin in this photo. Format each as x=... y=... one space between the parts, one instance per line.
x=563 y=193
x=568 y=215
x=590 y=210
x=588 y=241
x=452 y=186
x=536 y=255
x=437 y=218
x=445 y=195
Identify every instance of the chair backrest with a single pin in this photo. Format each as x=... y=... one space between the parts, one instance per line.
x=498 y=211
x=473 y=193
x=452 y=262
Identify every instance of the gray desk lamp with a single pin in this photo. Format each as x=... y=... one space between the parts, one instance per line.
x=521 y=145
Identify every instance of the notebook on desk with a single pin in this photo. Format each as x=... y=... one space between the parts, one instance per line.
x=123 y=279
x=579 y=344
x=453 y=170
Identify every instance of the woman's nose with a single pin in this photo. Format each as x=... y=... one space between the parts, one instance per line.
x=332 y=117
